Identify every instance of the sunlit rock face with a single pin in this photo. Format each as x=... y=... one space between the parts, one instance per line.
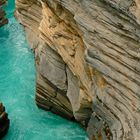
x=3 y=19
x=88 y=62
x=4 y=121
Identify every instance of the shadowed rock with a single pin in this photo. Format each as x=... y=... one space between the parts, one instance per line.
x=3 y=19
x=4 y=121
x=87 y=56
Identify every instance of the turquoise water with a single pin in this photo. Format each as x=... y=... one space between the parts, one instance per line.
x=17 y=91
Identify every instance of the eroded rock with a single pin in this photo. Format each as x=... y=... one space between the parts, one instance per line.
x=3 y=19
x=87 y=57
x=4 y=121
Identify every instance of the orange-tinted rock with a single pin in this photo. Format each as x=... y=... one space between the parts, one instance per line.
x=90 y=51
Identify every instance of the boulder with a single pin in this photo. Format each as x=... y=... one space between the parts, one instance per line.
x=4 y=121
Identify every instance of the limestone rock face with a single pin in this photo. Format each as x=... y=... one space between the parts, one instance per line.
x=4 y=121
x=3 y=19
x=87 y=56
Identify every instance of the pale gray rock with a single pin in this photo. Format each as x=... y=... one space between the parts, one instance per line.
x=89 y=52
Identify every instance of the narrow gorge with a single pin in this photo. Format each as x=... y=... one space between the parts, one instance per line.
x=87 y=58
x=17 y=90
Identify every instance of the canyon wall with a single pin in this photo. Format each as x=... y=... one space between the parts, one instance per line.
x=87 y=55
x=3 y=19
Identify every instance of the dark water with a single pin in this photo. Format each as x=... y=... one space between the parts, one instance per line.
x=17 y=91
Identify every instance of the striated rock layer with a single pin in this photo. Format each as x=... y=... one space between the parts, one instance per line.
x=87 y=56
x=3 y=19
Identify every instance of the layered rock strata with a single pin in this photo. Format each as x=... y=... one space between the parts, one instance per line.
x=3 y=19
x=88 y=62
x=4 y=121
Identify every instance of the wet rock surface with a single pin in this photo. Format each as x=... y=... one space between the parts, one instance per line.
x=88 y=62
x=4 y=121
x=3 y=19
